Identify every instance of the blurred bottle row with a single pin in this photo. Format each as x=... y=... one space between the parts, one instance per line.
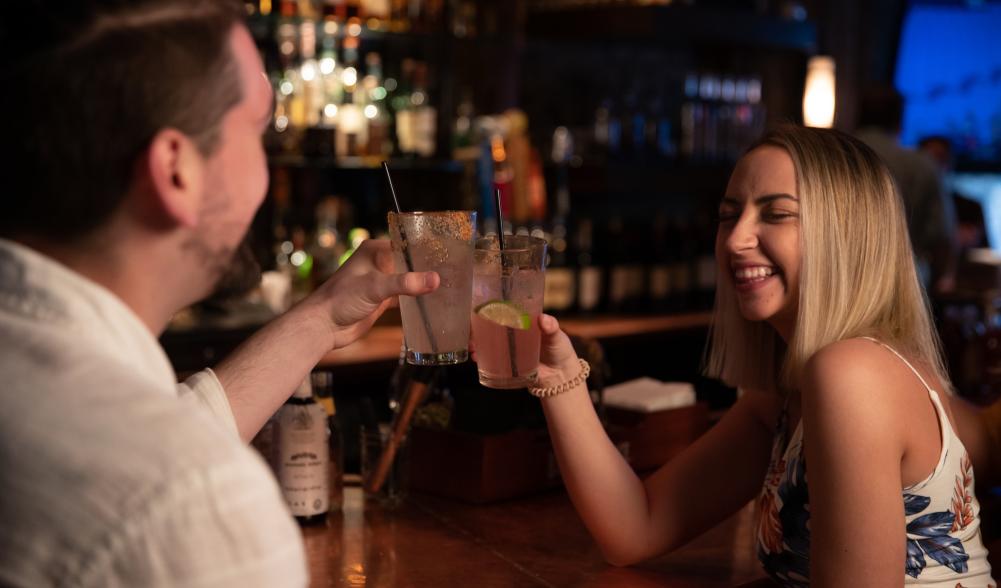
x=331 y=98
x=790 y=9
x=598 y=264
x=707 y=118
x=397 y=16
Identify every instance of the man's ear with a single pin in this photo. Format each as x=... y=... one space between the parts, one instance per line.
x=176 y=171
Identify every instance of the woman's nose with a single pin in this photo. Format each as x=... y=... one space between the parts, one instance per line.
x=742 y=237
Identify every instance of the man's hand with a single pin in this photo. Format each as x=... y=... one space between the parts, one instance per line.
x=262 y=372
x=362 y=289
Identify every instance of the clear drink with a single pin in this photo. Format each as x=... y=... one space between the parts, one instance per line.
x=436 y=325
x=508 y=291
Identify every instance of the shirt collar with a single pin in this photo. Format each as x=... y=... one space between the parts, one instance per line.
x=46 y=291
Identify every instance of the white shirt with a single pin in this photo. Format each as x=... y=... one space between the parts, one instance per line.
x=112 y=474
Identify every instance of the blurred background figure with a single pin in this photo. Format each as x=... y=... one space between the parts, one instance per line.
x=970 y=229
x=931 y=214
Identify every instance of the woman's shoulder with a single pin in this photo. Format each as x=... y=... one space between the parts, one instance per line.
x=857 y=359
x=857 y=392
x=863 y=373
x=851 y=357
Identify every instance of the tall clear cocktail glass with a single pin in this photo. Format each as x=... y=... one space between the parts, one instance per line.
x=436 y=325
x=507 y=299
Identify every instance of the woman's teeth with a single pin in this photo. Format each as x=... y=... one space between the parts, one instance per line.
x=751 y=273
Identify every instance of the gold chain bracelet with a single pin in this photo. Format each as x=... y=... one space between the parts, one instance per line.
x=548 y=391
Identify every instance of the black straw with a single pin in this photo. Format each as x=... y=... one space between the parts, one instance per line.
x=392 y=190
x=505 y=283
x=410 y=262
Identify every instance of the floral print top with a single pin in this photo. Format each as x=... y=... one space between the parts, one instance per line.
x=944 y=548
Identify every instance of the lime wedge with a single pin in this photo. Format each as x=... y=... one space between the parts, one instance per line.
x=505 y=313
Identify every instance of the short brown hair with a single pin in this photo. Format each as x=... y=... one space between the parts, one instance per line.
x=89 y=84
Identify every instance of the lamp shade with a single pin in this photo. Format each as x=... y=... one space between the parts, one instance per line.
x=818 y=98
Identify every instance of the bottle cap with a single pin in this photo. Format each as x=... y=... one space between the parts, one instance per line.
x=305 y=389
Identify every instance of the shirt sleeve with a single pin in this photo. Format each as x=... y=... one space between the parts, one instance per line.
x=205 y=390
x=226 y=526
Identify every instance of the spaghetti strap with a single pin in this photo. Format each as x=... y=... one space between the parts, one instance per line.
x=907 y=363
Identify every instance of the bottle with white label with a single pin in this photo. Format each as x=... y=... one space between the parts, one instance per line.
x=304 y=456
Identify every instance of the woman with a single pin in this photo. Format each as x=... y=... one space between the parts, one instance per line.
x=821 y=322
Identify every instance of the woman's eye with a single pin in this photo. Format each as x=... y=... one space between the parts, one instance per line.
x=776 y=215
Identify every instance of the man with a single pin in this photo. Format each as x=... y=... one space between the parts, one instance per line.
x=931 y=217
x=137 y=168
x=970 y=230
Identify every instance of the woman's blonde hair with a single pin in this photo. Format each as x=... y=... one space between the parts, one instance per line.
x=857 y=273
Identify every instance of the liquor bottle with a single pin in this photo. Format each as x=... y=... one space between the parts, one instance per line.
x=463 y=136
x=637 y=259
x=602 y=120
x=659 y=269
x=425 y=115
x=313 y=98
x=608 y=130
x=328 y=242
x=335 y=11
x=377 y=13
x=354 y=11
x=464 y=19
x=351 y=127
x=518 y=152
x=705 y=262
x=617 y=269
x=398 y=17
x=323 y=384
x=709 y=93
x=503 y=177
x=660 y=132
x=330 y=71
x=561 y=279
x=560 y=286
x=403 y=109
x=634 y=131
x=757 y=109
x=374 y=108
x=304 y=456
x=301 y=263
x=692 y=114
x=683 y=252
x=590 y=274
x=290 y=111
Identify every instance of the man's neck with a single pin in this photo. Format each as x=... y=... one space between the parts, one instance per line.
x=131 y=271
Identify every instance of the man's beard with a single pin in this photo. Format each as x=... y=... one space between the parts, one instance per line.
x=239 y=276
x=231 y=271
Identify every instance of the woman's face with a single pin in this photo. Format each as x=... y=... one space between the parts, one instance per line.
x=757 y=245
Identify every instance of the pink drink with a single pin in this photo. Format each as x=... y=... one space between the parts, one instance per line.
x=506 y=306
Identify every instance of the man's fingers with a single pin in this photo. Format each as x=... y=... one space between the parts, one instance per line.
x=407 y=284
x=371 y=254
x=417 y=283
x=383 y=255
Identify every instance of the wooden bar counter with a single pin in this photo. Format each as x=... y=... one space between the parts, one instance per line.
x=382 y=343
x=537 y=541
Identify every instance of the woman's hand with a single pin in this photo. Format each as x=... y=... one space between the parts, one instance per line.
x=557 y=361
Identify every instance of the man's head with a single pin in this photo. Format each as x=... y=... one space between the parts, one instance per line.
x=939 y=149
x=151 y=109
x=882 y=107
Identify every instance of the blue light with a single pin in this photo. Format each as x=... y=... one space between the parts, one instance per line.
x=949 y=71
